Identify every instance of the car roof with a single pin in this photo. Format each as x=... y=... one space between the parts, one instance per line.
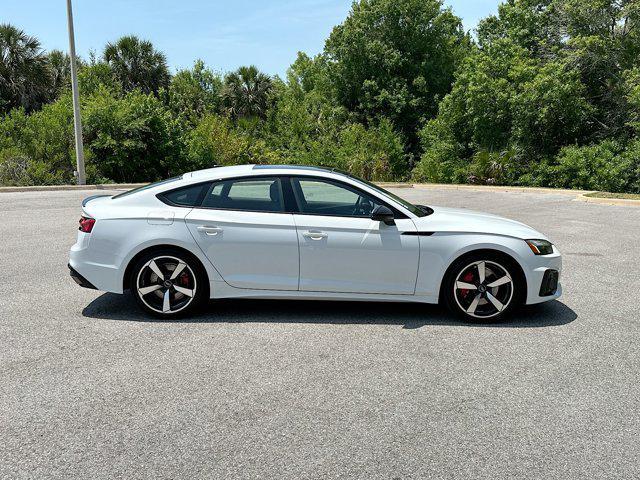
x=250 y=170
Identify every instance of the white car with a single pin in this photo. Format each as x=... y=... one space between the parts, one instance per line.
x=291 y=232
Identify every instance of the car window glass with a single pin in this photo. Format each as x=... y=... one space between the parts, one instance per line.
x=186 y=196
x=319 y=197
x=257 y=195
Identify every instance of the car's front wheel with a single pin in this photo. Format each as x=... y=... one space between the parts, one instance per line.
x=483 y=287
x=168 y=283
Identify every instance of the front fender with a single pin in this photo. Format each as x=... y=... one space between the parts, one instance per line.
x=440 y=250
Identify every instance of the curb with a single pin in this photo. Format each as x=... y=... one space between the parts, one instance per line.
x=53 y=188
x=580 y=195
x=626 y=202
x=394 y=185
x=500 y=188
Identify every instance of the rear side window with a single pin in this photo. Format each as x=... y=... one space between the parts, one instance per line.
x=253 y=194
x=190 y=196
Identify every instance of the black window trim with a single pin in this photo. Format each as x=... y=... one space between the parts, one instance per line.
x=398 y=214
x=289 y=201
x=213 y=183
x=162 y=196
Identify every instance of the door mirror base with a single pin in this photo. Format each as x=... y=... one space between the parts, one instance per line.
x=383 y=214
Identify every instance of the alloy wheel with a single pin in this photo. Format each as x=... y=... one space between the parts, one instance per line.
x=483 y=289
x=166 y=284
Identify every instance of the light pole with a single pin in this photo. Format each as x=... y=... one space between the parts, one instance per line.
x=77 y=121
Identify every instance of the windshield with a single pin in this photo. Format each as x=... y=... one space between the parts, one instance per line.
x=146 y=187
x=416 y=210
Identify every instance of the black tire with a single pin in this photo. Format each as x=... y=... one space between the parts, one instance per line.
x=168 y=291
x=481 y=304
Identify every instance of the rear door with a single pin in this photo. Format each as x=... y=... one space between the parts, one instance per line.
x=343 y=250
x=243 y=229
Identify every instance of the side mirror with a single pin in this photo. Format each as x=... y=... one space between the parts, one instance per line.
x=383 y=214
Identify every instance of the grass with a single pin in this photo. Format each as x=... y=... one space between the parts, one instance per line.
x=625 y=196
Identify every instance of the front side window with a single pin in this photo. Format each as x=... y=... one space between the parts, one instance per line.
x=252 y=194
x=321 y=197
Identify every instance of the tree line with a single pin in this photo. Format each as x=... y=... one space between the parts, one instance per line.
x=544 y=93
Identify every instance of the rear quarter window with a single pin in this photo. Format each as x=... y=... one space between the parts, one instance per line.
x=190 y=196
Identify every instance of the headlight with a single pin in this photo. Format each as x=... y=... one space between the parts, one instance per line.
x=540 y=247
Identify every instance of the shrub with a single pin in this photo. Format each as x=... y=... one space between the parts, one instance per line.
x=631 y=164
x=440 y=162
x=14 y=165
x=376 y=153
x=215 y=141
x=594 y=167
x=133 y=138
x=493 y=168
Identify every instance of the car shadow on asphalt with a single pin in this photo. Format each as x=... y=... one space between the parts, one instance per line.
x=109 y=306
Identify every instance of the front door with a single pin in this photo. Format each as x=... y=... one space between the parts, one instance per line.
x=244 y=232
x=343 y=250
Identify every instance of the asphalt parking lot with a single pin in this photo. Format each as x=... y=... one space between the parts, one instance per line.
x=90 y=388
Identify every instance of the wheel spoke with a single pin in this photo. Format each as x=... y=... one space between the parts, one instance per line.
x=496 y=303
x=184 y=291
x=177 y=270
x=465 y=286
x=474 y=304
x=500 y=281
x=154 y=267
x=166 y=304
x=149 y=289
x=481 y=271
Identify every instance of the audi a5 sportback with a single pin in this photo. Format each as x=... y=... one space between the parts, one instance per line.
x=304 y=233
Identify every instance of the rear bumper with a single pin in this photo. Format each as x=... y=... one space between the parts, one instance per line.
x=93 y=269
x=79 y=279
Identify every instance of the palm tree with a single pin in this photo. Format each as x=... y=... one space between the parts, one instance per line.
x=24 y=73
x=246 y=93
x=60 y=71
x=136 y=64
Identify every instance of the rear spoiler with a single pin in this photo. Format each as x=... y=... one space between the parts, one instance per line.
x=92 y=197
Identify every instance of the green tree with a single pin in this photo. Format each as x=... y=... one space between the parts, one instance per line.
x=245 y=93
x=194 y=93
x=304 y=112
x=60 y=71
x=132 y=139
x=545 y=74
x=136 y=64
x=24 y=73
x=216 y=141
x=395 y=59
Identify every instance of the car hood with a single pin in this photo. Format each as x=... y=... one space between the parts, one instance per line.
x=445 y=219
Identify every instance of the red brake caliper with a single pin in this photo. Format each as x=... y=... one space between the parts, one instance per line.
x=469 y=279
x=184 y=279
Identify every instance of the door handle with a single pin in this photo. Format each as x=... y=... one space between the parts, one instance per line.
x=209 y=230
x=315 y=235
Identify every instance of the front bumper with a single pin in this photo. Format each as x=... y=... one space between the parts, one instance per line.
x=541 y=268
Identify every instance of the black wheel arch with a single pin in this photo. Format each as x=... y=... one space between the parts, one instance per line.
x=505 y=257
x=164 y=248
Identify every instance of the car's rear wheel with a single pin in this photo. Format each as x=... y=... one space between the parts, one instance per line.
x=168 y=283
x=483 y=287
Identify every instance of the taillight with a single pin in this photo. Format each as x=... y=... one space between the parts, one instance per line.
x=86 y=224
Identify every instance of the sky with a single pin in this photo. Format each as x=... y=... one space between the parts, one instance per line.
x=225 y=34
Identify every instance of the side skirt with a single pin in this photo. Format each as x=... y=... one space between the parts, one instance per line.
x=221 y=289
